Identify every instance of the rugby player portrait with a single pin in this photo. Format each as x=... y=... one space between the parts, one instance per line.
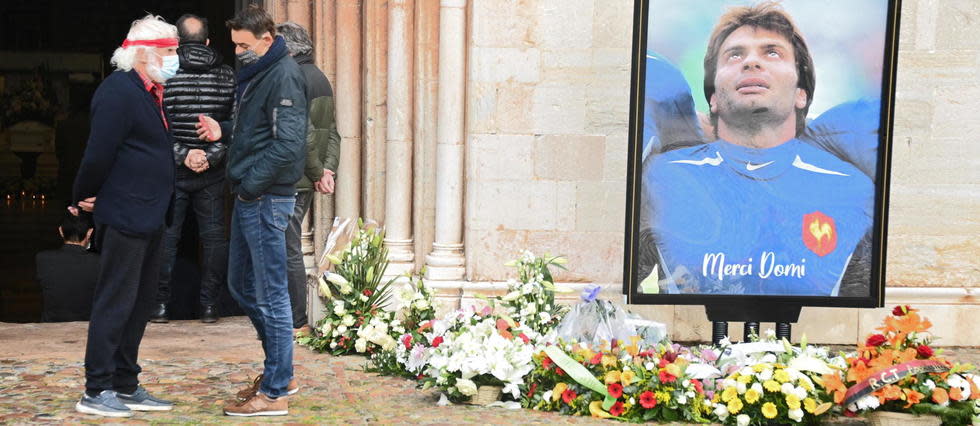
x=740 y=201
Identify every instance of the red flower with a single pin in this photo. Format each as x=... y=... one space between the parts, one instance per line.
x=876 y=340
x=367 y=292
x=559 y=371
x=530 y=391
x=617 y=409
x=648 y=400
x=568 y=396
x=901 y=310
x=546 y=363
x=663 y=363
x=924 y=351
x=597 y=358
x=524 y=338
x=670 y=356
x=420 y=377
x=615 y=390
x=437 y=341
x=666 y=377
x=407 y=341
x=697 y=385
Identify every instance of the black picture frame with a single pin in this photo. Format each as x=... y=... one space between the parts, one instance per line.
x=637 y=240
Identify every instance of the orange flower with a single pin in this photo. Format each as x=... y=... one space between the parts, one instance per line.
x=834 y=385
x=890 y=393
x=939 y=396
x=912 y=397
x=955 y=394
x=858 y=373
x=974 y=390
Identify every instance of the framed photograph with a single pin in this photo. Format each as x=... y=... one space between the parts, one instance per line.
x=760 y=138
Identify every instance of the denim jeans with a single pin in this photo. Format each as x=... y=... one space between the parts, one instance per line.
x=257 y=281
x=206 y=196
x=294 y=254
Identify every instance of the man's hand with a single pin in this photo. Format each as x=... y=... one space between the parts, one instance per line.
x=207 y=128
x=87 y=204
x=326 y=183
x=196 y=160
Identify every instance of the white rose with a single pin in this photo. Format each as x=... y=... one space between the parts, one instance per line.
x=721 y=411
x=363 y=298
x=796 y=415
x=342 y=329
x=348 y=320
x=742 y=420
x=466 y=387
x=360 y=345
x=545 y=317
x=421 y=304
x=339 y=310
x=740 y=387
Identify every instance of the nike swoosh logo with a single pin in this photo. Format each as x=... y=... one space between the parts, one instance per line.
x=800 y=164
x=750 y=167
x=705 y=161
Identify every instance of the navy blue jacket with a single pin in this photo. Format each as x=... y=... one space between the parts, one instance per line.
x=128 y=163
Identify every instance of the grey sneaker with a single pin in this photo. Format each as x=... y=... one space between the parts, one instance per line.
x=141 y=400
x=105 y=404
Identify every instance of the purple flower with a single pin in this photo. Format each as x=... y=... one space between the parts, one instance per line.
x=709 y=355
x=591 y=292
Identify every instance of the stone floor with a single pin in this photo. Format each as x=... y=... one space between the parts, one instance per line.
x=200 y=366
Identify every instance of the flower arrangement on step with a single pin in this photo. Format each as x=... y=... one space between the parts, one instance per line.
x=530 y=299
x=897 y=370
x=407 y=358
x=614 y=380
x=469 y=349
x=770 y=384
x=356 y=296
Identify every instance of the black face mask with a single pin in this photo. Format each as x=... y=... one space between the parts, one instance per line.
x=247 y=57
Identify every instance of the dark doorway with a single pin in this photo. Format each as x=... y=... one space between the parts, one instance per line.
x=61 y=50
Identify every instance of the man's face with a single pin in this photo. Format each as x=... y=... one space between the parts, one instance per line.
x=154 y=61
x=245 y=40
x=756 y=77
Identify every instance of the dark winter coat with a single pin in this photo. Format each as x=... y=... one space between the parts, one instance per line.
x=203 y=85
x=322 y=141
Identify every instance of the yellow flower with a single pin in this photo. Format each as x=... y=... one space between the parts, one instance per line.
x=758 y=368
x=729 y=393
x=771 y=386
x=793 y=402
x=609 y=361
x=595 y=407
x=744 y=379
x=735 y=405
x=627 y=377
x=557 y=391
x=810 y=405
x=663 y=397
x=673 y=369
x=781 y=375
x=769 y=410
x=751 y=396
x=806 y=384
x=612 y=377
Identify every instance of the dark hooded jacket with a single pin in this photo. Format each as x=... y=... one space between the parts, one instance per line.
x=322 y=140
x=203 y=85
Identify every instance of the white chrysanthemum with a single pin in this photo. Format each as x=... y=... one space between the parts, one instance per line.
x=796 y=415
x=721 y=411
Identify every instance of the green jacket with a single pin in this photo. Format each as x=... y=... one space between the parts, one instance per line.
x=322 y=139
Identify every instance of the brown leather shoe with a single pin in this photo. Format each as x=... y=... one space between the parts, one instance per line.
x=259 y=405
x=244 y=394
x=303 y=331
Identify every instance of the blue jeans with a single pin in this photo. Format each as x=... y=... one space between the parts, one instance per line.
x=257 y=280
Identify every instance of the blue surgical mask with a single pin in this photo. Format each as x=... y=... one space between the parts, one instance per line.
x=170 y=66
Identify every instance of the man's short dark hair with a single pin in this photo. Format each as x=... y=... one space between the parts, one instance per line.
x=768 y=15
x=253 y=19
x=74 y=228
x=186 y=35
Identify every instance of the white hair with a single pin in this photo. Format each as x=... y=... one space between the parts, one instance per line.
x=147 y=28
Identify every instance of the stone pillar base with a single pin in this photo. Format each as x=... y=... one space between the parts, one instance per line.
x=445 y=263
x=401 y=257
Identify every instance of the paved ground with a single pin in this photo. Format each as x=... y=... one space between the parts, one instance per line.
x=201 y=366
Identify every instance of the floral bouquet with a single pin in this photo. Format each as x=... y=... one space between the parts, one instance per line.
x=356 y=297
x=470 y=349
x=780 y=386
x=408 y=357
x=897 y=370
x=530 y=299
x=614 y=380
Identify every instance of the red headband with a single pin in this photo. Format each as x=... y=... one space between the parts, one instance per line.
x=158 y=42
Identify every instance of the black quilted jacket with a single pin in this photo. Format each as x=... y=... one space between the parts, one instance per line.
x=203 y=85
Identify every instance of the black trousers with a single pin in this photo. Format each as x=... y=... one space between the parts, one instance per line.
x=129 y=270
x=295 y=269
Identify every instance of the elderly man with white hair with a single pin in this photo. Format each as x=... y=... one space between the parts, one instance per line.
x=128 y=167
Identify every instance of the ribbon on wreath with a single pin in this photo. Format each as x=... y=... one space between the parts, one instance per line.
x=580 y=374
x=891 y=375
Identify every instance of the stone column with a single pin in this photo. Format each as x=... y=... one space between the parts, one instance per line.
x=398 y=178
x=374 y=122
x=348 y=100
x=446 y=262
x=426 y=95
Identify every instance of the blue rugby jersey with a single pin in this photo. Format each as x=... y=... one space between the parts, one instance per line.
x=734 y=220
